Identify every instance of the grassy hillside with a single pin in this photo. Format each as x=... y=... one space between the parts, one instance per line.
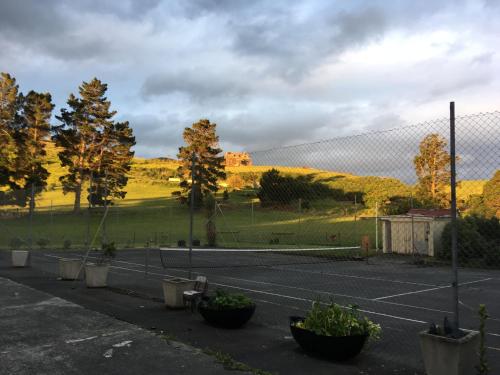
x=150 y=215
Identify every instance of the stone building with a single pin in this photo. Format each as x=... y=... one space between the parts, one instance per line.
x=237 y=159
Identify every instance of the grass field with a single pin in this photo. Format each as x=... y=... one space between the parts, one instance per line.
x=150 y=216
x=163 y=221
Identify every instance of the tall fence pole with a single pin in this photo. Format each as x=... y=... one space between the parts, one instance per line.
x=376 y=226
x=454 y=232
x=191 y=216
x=32 y=209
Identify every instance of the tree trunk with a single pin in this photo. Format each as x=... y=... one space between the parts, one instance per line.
x=78 y=197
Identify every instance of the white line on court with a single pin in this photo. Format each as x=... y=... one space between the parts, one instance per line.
x=430 y=289
x=299 y=298
x=296 y=288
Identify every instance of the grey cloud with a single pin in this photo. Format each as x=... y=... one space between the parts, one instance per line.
x=198 y=84
x=460 y=84
x=483 y=58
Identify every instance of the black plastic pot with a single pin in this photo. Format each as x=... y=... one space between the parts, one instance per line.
x=338 y=348
x=229 y=318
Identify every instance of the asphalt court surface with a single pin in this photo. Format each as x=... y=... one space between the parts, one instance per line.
x=403 y=298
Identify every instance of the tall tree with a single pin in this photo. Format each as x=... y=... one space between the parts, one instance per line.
x=432 y=166
x=201 y=140
x=93 y=144
x=9 y=122
x=491 y=196
x=33 y=135
x=113 y=163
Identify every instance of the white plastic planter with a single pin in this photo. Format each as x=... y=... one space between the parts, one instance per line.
x=70 y=269
x=448 y=356
x=20 y=258
x=96 y=275
x=173 y=290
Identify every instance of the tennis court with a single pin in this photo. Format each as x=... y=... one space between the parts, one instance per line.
x=400 y=296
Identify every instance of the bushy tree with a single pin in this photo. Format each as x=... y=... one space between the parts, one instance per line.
x=201 y=140
x=432 y=166
x=236 y=182
x=282 y=190
x=9 y=123
x=94 y=146
x=491 y=196
x=478 y=240
x=34 y=132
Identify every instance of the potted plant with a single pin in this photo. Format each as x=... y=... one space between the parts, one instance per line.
x=449 y=352
x=333 y=331
x=70 y=269
x=227 y=310
x=173 y=290
x=96 y=274
x=20 y=258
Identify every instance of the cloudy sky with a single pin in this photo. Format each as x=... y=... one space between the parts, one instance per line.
x=269 y=73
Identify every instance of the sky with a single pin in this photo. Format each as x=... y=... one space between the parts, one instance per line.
x=268 y=73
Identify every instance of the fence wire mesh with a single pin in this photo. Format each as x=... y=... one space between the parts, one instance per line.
x=361 y=220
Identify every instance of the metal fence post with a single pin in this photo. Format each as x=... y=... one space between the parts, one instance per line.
x=454 y=232
x=191 y=214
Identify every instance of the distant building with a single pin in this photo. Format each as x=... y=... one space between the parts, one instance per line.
x=417 y=232
x=237 y=159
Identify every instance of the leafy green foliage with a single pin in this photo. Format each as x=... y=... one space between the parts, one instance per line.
x=108 y=251
x=478 y=239
x=224 y=301
x=278 y=189
x=336 y=320
x=16 y=243
x=43 y=243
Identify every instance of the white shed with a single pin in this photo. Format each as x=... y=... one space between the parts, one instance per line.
x=417 y=232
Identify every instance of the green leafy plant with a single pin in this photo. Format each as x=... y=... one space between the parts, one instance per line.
x=16 y=243
x=108 y=251
x=43 y=243
x=67 y=244
x=223 y=301
x=336 y=320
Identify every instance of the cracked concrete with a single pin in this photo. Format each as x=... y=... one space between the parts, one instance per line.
x=42 y=334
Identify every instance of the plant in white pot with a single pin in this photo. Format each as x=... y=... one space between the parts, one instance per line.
x=448 y=351
x=96 y=274
x=20 y=258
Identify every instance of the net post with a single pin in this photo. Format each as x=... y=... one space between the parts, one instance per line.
x=454 y=232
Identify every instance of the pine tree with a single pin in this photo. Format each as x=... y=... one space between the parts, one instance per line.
x=432 y=167
x=32 y=137
x=201 y=141
x=9 y=122
x=94 y=146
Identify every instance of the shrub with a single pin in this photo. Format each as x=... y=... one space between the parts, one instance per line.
x=278 y=189
x=336 y=320
x=478 y=239
x=16 y=243
x=225 y=195
x=223 y=301
x=108 y=251
x=43 y=243
x=67 y=244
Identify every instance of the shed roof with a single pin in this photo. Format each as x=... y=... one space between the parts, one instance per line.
x=438 y=212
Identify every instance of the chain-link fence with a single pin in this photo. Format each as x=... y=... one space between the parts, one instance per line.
x=362 y=220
